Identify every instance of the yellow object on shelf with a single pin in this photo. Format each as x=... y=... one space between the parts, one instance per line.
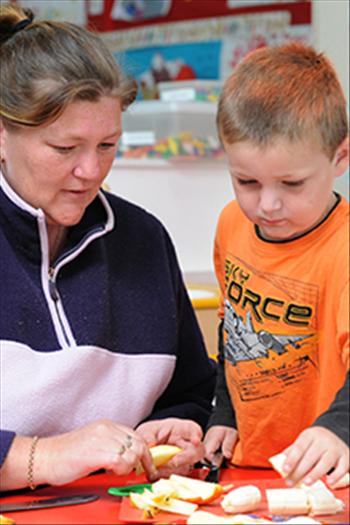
x=203 y=296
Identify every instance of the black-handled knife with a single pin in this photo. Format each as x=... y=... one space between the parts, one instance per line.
x=48 y=503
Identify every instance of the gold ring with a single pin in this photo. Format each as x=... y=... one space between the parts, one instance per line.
x=128 y=442
x=121 y=450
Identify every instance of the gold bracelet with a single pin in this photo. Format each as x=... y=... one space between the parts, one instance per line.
x=30 y=477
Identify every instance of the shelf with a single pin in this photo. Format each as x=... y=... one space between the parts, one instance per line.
x=170 y=131
x=147 y=107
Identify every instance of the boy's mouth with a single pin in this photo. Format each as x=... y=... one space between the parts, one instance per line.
x=274 y=222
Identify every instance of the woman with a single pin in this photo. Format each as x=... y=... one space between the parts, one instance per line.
x=101 y=352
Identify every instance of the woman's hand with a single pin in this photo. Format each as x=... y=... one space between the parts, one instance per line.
x=102 y=444
x=220 y=438
x=314 y=453
x=183 y=433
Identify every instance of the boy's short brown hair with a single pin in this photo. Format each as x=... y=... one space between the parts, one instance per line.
x=288 y=91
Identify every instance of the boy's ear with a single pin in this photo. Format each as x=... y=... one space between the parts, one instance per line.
x=341 y=157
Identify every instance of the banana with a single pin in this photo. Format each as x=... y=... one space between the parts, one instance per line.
x=4 y=520
x=277 y=462
x=161 y=454
x=321 y=500
x=301 y=520
x=201 y=517
x=315 y=499
x=207 y=518
x=287 y=501
x=242 y=499
x=342 y=483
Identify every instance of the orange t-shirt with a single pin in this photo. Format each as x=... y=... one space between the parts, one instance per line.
x=285 y=307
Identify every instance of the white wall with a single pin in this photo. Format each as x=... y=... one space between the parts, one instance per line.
x=331 y=34
x=188 y=197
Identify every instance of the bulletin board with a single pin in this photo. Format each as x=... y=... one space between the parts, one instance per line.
x=183 y=40
x=178 y=40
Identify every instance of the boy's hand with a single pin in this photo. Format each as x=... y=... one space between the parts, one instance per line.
x=221 y=438
x=314 y=453
x=183 y=433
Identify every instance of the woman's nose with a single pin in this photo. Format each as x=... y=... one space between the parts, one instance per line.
x=88 y=167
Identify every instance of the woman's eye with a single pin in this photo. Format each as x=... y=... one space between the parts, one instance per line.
x=63 y=149
x=107 y=145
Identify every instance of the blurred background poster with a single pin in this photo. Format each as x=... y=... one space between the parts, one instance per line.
x=72 y=10
x=183 y=40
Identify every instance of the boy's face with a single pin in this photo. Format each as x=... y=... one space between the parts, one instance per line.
x=284 y=188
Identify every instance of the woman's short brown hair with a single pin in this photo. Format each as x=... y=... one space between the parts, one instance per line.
x=46 y=65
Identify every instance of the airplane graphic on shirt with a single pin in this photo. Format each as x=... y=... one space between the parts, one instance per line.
x=245 y=344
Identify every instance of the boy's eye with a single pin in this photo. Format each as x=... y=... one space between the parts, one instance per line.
x=293 y=184
x=245 y=182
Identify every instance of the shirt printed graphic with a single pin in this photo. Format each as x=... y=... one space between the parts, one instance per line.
x=269 y=327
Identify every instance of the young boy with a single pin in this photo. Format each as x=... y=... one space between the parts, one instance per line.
x=282 y=261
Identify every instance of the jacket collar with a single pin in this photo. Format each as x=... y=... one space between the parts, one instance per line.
x=19 y=220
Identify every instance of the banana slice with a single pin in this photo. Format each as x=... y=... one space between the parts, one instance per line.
x=321 y=500
x=287 y=501
x=4 y=520
x=200 y=517
x=342 y=483
x=242 y=499
x=277 y=462
x=301 y=520
x=161 y=454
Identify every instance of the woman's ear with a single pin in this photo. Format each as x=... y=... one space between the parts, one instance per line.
x=2 y=141
x=341 y=158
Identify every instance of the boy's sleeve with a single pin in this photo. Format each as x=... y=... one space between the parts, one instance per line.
x=223 y=412
x=6 y=438
x=336 y=418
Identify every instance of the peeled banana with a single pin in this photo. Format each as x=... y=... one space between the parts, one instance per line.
x=242 y=499
x=315 y=499
x=207 y=518
x=287 y=501
x=321 y=500
x=4 y=520
x=342 y=483
x=301 y=520
x=277 y=462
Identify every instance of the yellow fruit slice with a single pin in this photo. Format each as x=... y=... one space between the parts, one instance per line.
x=150 y=503
x=161 y=454
x=6 y=521
x=195 y=490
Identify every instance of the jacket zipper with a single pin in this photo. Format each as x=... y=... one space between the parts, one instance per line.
x=55 y=296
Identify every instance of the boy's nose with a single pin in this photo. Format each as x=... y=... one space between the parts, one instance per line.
x=270 y=201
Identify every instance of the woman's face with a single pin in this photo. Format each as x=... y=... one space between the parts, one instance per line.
x=60 y=167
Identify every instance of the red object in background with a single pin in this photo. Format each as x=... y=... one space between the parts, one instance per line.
x=185 y=73
x=182 y=10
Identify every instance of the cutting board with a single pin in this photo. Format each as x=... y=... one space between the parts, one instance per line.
x=129 y=514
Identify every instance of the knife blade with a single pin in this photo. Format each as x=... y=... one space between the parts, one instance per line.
x=48 y=503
